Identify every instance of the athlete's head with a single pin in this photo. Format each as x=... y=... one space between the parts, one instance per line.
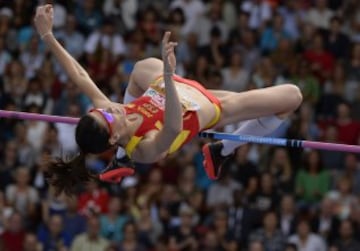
x=96 y=132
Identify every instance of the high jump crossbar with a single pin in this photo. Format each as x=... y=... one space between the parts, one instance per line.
x=293 y=143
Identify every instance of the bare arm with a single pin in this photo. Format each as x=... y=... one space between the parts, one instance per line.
x=155 y=146
x=43 y=23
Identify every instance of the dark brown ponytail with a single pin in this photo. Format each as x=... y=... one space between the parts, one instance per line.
x=65 y=176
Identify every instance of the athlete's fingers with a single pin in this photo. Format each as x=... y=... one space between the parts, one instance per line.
x=166 y=37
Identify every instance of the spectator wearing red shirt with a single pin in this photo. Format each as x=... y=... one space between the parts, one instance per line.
x=93 y=200
x=321 y=61
x=348 y=129
x=13 y=237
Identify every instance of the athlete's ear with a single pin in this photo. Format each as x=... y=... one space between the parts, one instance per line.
x=114 y=139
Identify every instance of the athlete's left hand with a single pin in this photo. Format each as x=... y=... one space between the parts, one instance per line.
x=168 y=54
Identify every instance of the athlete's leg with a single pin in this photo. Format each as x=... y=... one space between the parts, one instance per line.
x=214 y=153
x=144 y=72
x=278 y=100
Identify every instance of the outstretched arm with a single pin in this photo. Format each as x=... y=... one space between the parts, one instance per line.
x=156 y=146
x=43 y=22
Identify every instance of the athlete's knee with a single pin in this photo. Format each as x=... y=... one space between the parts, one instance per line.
x=147 y=63
x=294 y=95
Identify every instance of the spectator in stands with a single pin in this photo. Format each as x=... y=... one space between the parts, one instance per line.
x=91 y=239
x=74 y=223
x=220 y=192
x=240 y=167
x=52 y=235
x=192 y=9
x=320 y=60
x=15 y=82
x=326 y=222
x=348 y=128
x=343 y=198
x=288 y=215
x=267 y=197
x=35 y=129
x=184 y=237
x=337 y=43
x=346 y=240
x=32 y=57
x=5 y=56
x=73 y=40
x=31 y=243
x=309 y=85
x=5 y=212
x=148 y=227
x=105 y=38
x=131 y=242
x=293 y=16
x=241 y=219
x=281 y=169
x=271 y=36
x=351 y=170
x=312 y=181
x=88 y=16
x=260 y=12
x=25 y=150
x=271 y=237
x=94 y=199
x=235 y=77
x=353 y=64
x=13 y=237
x=8 y=164
x=304 y=239
x=320 y=15
x=206 y=23
x=21 y=195
x=332 y=160
x=122 y=12
x=69 y=145
x=112 y=223
x=256 y=246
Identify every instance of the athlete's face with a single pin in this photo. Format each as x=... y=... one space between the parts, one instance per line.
x=113 y=118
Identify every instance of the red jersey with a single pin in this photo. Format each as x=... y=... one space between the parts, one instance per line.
x=151 y=106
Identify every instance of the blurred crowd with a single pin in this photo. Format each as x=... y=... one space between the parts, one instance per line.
x=268 y=198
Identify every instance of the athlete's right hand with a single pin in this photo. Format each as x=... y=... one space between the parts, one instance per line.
x=44 y=19
x=168 y=54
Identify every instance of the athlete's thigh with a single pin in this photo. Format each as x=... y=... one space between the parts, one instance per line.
x=224 y=97
x=145 y=71
x=221 y=95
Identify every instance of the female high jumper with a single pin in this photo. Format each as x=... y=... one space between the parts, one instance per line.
x=163 y=111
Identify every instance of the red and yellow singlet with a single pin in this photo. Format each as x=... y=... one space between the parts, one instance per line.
x=151 y=107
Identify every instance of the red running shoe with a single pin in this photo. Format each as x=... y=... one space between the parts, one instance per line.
x=117 y=169
x=213 y=160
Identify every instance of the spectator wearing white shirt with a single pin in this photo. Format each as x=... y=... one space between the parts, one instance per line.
x=105 y=38
x=221 y=192
x=123 y=12
x=259 y=11
x=21 y=195
x=66 y=132
x=320 y=15
x=305 y=240
x=193 y=9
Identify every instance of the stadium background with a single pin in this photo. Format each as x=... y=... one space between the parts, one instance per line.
x=268 y=197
